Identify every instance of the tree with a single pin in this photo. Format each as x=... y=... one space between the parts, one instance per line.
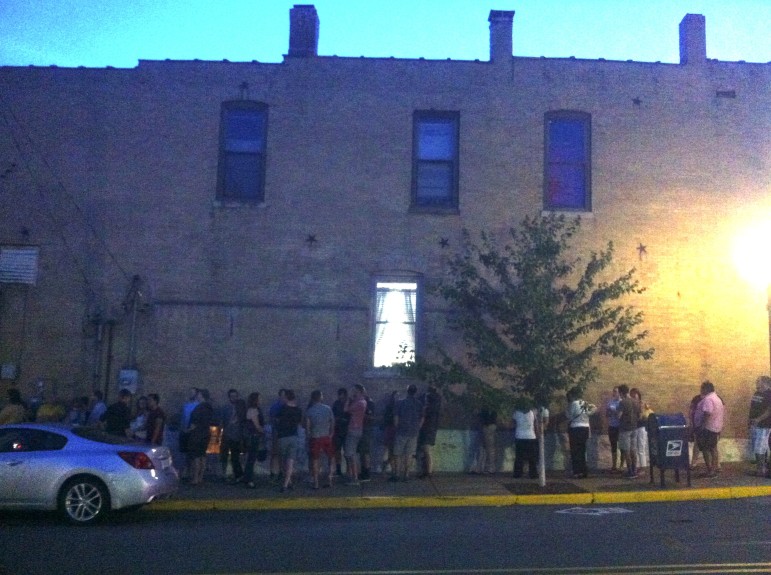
x=533 y=317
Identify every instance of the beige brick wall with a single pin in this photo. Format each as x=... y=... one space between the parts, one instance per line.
x=117 y=176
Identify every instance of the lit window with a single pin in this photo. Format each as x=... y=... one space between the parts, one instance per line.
x=435 y=159
x=242 y=151
x=19 y=264
x=395 y=323
x=567 y=177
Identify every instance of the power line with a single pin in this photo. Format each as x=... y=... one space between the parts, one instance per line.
x=34 y=153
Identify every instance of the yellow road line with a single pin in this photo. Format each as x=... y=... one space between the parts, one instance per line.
x=311 y=503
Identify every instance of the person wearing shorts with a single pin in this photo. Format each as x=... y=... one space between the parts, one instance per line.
x=611 y=413
x=709 y=418
x=408 y=418
x=356 y=409
x=760 y=423
x=319 y=428
x=288 y=418
x=628 y=416
x=364 y=448
x=341 y=428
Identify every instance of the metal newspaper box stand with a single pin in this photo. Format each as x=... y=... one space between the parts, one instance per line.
x=668 y=444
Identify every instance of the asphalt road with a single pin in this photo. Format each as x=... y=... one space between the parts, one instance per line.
x=726 y=536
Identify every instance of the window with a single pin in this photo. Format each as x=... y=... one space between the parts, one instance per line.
x=19 y=264
x=435 y=160
x=567 y=164
x=243 y=129
x=13 y=440
x=395 y=322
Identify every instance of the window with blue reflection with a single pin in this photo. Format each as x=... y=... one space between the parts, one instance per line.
x=242 y=151
x=567 y=178
x=435 y=159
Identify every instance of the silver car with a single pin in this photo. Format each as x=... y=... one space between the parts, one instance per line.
x=81 y=471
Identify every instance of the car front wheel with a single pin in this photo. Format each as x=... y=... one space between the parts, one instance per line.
x=83 y=500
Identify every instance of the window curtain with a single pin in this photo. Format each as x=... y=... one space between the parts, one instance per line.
x=409 y=318
x=395 y=319
x=381 y=322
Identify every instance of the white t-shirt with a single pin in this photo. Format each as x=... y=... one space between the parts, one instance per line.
x=578 y=413
x=525 y=423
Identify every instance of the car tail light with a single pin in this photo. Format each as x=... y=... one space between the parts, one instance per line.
x=136 y=459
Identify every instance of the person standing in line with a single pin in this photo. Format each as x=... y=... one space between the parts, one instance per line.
x=356 y=410
x=288 y=419
x=364 y=449
x=578 y=413
x=760 y=423
x=15 y=411
x=319 y=429
x=117 y=418
x=611 y=414
x=231 y=442
x=184 y=424
x=484 y=461
x=51 y=410
x=78 y=411
x=641 y=433
x=275 y=456
x=389 y=432
x=628 y=416
x=255 y=436
x=139 y=421
x=408 y=418
x=709 y=418
x=695 y=400
x=98 y=407
x=526 y=430
x=188 y=407
x=198 y=435
x=341 y=428
x=156 y=419
x=432 y=408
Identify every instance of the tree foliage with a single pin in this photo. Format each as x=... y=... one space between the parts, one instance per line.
x=532 y=317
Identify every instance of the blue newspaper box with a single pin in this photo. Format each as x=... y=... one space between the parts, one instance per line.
x=668 y=444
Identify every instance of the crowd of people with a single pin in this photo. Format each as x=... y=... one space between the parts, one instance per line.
x=339 y=439
x=625 y=418
x=143 y=420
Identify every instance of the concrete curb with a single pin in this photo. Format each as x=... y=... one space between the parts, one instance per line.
x=320 y=503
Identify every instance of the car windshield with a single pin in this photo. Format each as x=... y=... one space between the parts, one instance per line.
x=93 y=434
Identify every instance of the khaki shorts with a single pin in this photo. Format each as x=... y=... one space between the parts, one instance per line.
x=626 y=439
x=405 y=446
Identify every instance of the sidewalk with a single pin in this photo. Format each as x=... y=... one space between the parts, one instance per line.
x=461 y=490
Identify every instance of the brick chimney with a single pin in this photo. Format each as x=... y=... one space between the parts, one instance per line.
x=693 y=39
x=500 y=34
x=303 y=31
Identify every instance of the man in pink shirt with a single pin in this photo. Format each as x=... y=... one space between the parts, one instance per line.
x=708 y=421
x=356 y=408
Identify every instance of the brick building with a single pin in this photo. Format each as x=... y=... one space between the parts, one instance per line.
x=250 y=225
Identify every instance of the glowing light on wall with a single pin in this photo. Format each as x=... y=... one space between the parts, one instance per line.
x=752 y=254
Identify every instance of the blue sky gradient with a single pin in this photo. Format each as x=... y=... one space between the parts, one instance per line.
x=121 y=32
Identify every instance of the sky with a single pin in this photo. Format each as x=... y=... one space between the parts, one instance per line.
x=119 y=33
